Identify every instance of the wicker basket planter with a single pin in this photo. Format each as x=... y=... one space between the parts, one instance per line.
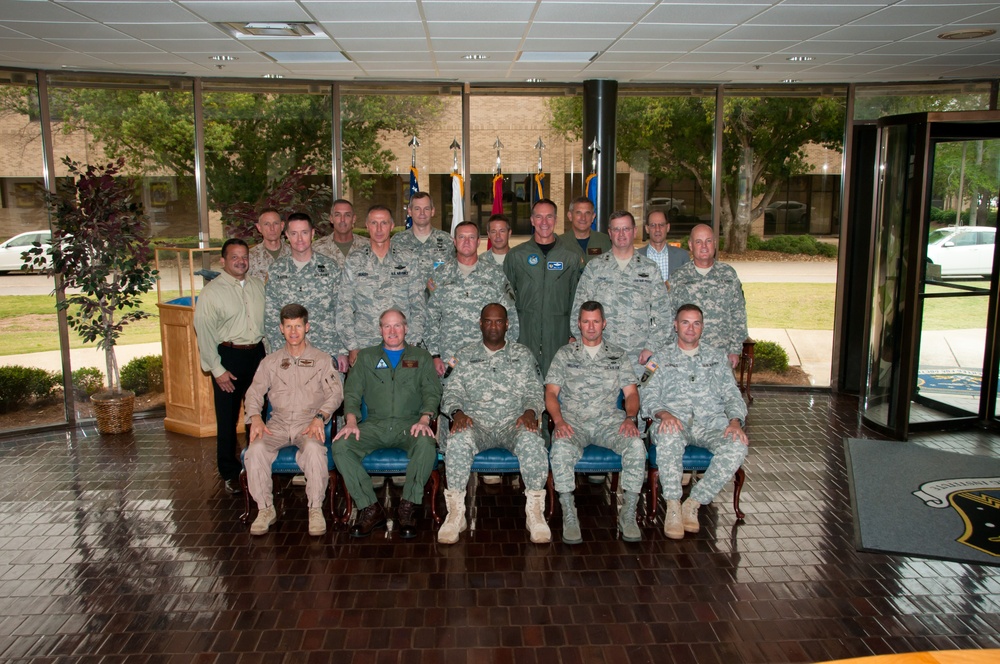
x=113 y=411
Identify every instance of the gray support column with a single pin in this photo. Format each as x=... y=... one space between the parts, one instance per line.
x=600 y=100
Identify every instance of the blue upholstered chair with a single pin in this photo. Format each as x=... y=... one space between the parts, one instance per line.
x=496 y=461
x=696 y=460
x=392 y=461
x=284 y=464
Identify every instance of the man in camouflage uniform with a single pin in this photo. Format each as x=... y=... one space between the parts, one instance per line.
x=433 y=246
x=579 y=237
x=695 y=398
x=494 y=399
x=379 y=277
x=635 y=299
x=581 y=396
x=310 y=279
x=303 y=388
x=461 y=287
x=343 y=241
x=271 y=248
x=717 y=291
x=544 y=277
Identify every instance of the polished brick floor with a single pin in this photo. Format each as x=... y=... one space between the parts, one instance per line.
x=127 y=550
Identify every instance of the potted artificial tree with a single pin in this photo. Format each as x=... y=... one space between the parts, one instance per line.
x=101 y=246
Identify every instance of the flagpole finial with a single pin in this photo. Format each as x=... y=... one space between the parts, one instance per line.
x=595 y=149
x=539 y=146
x=454 y=147
x=414 y=144
x=498 y=146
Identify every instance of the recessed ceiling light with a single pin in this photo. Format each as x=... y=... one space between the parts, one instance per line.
x=533 y=80
x=224 y=58
x=271 y=29
x=475 y=56
x=801 y=58
x=272 y=76
x=968 y=33
x=790 y=80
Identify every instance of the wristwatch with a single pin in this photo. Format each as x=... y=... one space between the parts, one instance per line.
x=320 y=416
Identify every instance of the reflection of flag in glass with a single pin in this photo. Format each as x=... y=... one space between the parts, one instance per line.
x=457 y=201
x=537 y=184
x=414 y=188
x=498 y=193
x=591 y=186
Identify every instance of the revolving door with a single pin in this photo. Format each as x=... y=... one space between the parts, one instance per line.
x=931 y=343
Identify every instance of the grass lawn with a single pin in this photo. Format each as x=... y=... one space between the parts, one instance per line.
x=791 y=306
x=28 y=324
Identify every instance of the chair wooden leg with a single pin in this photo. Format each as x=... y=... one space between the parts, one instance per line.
x=245 y=517
x=331 y=489
x=435 y=489
x=654 y=494
x=738 y=480
x=345 y=516
x=552 y=495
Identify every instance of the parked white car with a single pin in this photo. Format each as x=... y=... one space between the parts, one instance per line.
x=962 y=250
x=11 y=250
x=671 y=207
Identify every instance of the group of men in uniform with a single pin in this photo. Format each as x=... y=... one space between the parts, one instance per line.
x=581 y=325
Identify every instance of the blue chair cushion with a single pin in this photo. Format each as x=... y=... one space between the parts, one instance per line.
x=387 y=461
x=597 y=460
x=695 y=458
x=496 y=460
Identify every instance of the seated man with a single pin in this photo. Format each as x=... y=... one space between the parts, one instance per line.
x=494 y=398
x=694 y=396
x=303 y=387
x=401 y=391
x=583 y=383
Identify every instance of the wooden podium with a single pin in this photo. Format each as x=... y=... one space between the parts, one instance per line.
x=190 y=403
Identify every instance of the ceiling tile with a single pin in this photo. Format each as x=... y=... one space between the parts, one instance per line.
x=606 y=31
x=170 y=30
x=705 y=13
x=471 y=30
x=383 y=44
x=376 y=31
x=381 y=12
x=591 y=12
x=144 y=11
x=68 y=30
x=247 y=10
x=480 y=12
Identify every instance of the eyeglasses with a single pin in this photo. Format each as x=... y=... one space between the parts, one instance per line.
x=626 y=229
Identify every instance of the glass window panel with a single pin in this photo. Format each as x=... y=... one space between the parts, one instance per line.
x=781 y=176
x=149 y=122
x=29 y=325
x=872 y=102
x=377 y=125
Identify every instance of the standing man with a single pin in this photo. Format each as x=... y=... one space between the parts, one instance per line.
x=582 y=389
x=494 y=399
x=271 y=248
x=303 y=388
x=666 y=257
x=229 y=322
x=378 y=277
x=543 y=275
x=498 y=231
x=401 y=392
x=695 y=398
x=432 y=245
x=584 y=241
x=461 y=287
x=310 y=279
x=636 y=303
x=717 y=291
x=343 y=241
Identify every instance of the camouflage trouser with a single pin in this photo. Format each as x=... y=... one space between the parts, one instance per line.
x=529 y=448
x=728 y=456
x=567 y=451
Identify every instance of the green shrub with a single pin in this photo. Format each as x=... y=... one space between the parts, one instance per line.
x=798 y=244
x=19 y=385
x=143 y=374
x=754 y=243
x=87 y=381
x=769 y=356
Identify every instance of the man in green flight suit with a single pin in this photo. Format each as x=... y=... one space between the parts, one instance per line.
x=401 y=391
x=543 y=275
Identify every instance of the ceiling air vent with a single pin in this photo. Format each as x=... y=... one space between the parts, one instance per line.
x=270 y=29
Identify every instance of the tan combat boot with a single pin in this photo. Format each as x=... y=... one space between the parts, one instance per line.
x=689 y=514
x=455 y=522
x=534 y=510
x=673 y=525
